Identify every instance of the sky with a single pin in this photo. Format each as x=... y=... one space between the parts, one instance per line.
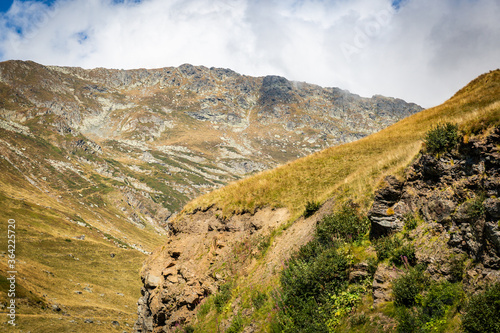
x=422 y=51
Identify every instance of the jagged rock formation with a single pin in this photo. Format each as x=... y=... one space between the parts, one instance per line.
x=456 y=194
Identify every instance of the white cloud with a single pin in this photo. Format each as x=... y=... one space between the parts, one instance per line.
x=423 y=52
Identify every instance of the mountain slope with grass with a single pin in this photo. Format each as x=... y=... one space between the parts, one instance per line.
x=238 y=254
x=95 y=163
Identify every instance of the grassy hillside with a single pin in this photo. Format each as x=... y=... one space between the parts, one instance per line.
x=74 y=247
x=353 y=170
x=320 y=270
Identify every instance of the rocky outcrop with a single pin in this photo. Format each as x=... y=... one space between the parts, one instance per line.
x=383 y=215
x=201 y=255
x=206 y=251
x=456 y=195
x=382 y=284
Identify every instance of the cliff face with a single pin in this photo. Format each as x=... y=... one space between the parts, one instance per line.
x=208 y=251
x=456 y=196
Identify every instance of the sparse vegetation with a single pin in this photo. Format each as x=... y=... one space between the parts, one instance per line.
x=410 y=221
x=311 y=208
x=258 y=299
x=482 y=311
x=315 y=294
x=223 y=296
x=476 y=208
x=442 y=138
x=236 y=324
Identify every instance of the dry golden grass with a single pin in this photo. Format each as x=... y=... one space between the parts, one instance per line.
x=53 y=264
x=353 y=170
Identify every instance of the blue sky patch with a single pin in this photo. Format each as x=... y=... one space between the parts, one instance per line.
x=6 y=4
x=396 y=4
x=81 y=37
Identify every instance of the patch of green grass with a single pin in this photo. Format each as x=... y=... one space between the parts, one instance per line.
x=223 y=296
x=311 y=208
x=482 y=311
x=258 y=299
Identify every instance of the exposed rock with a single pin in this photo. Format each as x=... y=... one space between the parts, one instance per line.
x=456 y=195
x=382 y=215
x=358 y=272
x=382 y=284
x=190 y=266
x=492 y=207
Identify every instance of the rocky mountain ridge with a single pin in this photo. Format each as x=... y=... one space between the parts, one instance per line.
x=202 y=127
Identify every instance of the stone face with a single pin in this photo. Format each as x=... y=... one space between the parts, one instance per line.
x=383 y=216
x=456 y=197
x=152 y=281
x=492 y=207
x=382 y=284
x=447 y=192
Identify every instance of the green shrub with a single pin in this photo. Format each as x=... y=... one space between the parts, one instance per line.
x=440 y=298
x=409 y=320
x=311 y=208
x=483 y=311
x=386 y=246
x=345 y=224
x=314 y=295
x=327 y=273
x=407 y=251
x=223 y=296
x=236 y=325
x=442 y=138
x=423 y=306
x=258 y=299
x=408 y=286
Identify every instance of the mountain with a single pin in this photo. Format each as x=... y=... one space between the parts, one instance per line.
x=95 y=164
x=202 y=127
x=252 y=255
